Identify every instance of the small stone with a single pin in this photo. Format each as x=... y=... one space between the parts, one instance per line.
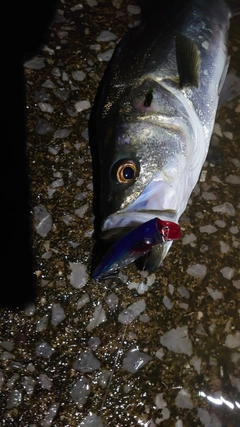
x=135 y=360
x=177 y=340
x=129 y=314
x=78 y=276
x=98 y=318
x=227 y=272
x=58 y=314
x=106 y=36
x=184 y=400
x=197 y=270
x=82 y=105
x=233 y=341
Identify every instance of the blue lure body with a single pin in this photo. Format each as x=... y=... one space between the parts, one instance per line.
x=135 y=244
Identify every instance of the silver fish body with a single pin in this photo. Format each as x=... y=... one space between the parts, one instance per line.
x=156 y=113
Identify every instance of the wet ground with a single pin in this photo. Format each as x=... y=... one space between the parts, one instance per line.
x=142 y=349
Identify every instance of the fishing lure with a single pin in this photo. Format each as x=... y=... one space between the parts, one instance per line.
x=135 y=244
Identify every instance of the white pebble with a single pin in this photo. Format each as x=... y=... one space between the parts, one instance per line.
x=133 y=9
x=225 y=208
x=203 y=176
x=86 y=362
x=47 y=108
x=43 y=220
x=45 y=350
x=217 y=129
x=197 y=270
x=183 y=292
x=95 y=47
x=104 y=378
x=78 y=276
x=215 y=294
x=236 y=162
x=129 y=314
x=81 y=390
x=183 y=399
x=52 y=412
x=228 y=135
x=234 y=229
x=78 y=75
x=196 y=363
x=167 y=302
x=236 y=283
x=112 y=300
x=233 y=341
x=183 y=305
x=224 y=247
x=134 y=360
x=177 y=340
x=220 y=223
x=58 y=314
x=208 y=196
x=159 y=353
x=57 y=183
x=61 y=133
x=106 y=36
x=92 y=3
x=45 y=381
x=233 y=179
x=105 y=56
x=159 y=401
x=188 y=238
x=81 y=211
x=98 y=317
x=82 y=105
x=35 y=63
x=227 y=272
x=83 y=301
x=209 y=229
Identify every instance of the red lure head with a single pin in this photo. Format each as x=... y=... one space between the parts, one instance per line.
x=168 y=229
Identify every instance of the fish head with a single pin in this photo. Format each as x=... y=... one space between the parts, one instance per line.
x=143 y=159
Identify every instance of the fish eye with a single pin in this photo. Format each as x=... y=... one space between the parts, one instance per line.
x=126 y=172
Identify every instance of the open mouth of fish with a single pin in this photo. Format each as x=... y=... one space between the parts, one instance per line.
x=134 y=236
x=119 y=224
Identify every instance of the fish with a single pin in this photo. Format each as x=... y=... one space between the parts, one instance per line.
x=135 y=244
x=155 y=111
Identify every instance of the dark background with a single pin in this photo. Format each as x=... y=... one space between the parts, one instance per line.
x=24 y=27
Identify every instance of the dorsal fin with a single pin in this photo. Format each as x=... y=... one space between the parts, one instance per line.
x=188 y=61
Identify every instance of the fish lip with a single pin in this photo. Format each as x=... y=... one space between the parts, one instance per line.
x=120 y=223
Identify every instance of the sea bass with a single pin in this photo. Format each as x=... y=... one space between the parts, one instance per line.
x=155 y=114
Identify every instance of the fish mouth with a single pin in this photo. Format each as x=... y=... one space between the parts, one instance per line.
x=120 y=223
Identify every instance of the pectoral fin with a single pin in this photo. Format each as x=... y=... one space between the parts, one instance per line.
x=188 y=61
